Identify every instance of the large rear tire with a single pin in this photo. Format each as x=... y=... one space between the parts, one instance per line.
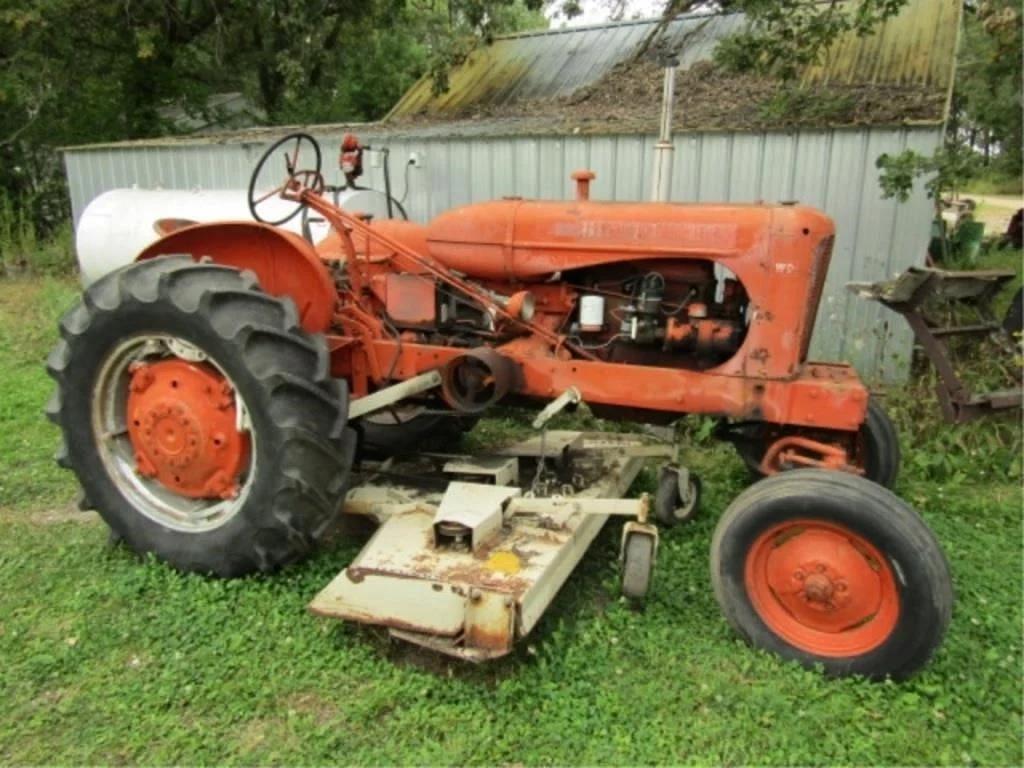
x=293 y=448
x=829 y=568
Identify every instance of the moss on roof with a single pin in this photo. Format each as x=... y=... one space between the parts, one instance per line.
x=901 y=73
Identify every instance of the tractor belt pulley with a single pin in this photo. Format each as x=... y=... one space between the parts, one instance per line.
x=473 y=382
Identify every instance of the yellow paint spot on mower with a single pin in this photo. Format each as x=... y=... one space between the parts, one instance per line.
x=504 y=562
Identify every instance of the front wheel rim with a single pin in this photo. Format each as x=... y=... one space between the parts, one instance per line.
x=822 y=588
x=117 y=436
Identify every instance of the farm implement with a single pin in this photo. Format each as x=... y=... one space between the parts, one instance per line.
x=231 y=391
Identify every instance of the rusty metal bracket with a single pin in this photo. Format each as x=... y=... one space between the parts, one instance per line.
x=911 y=293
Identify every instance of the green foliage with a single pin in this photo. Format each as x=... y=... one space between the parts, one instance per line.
x=23 y=249
x=110 y=660
x=784 y=36
x=453 y=28
x=946 y=170
x=307 y=62
x=794 y=103
x=81 y=71
x=992 y=181
x=1008 y=259
x=982 y=149
x=986 y=110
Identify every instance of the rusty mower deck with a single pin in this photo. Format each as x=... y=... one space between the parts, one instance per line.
x=471 y=551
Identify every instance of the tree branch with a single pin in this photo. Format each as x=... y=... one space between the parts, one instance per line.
x=14 y=136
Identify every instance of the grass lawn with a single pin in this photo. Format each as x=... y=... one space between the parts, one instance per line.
x=104 y=659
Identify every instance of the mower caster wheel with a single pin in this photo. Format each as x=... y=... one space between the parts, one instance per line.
x=678 y=497
x=639 y=547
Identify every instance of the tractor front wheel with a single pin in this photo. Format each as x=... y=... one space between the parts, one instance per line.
x=828 y=568
x=199 y=417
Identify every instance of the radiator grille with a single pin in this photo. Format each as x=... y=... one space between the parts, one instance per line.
x=819 y=271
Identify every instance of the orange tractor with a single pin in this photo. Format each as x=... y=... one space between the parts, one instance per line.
x=214 y=395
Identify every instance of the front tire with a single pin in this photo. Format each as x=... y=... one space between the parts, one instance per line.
x=880 y=444
x=828 y=568
x=261 y=512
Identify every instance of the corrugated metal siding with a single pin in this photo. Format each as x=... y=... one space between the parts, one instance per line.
x=833 y=170
x=915 y=47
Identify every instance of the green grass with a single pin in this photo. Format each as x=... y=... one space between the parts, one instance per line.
x=995 y=183
x=28 y=329
x=104 y=659
x=24 y=251
x=1008 y=259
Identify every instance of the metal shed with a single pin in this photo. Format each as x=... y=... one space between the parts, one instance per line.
x=473 y=143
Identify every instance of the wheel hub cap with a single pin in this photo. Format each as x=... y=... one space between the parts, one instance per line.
x=818 y=590
x=822 y=588
x=183 y=424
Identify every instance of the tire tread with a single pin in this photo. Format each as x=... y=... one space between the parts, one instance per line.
x=310 y=468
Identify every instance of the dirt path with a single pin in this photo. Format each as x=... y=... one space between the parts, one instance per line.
x=51 y=516
x=994 y=210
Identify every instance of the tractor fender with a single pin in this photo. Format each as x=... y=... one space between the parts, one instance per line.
x=284 y=263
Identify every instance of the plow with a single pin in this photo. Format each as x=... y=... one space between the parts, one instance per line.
x=234 y=388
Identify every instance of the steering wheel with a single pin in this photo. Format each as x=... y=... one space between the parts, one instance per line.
x=296 y=181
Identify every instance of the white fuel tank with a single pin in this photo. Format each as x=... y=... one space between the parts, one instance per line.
x=118 y=224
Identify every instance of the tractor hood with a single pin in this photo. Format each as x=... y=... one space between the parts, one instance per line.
x=532 y=240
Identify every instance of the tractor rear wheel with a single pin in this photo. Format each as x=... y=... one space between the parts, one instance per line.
x=408 y=429
x=199 y=417
x=829 y=568
x=875 y=449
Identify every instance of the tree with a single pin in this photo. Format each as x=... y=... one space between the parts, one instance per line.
x=298 y=61
x=82 y=71
x=987 y=105
x=984 y=128
x=453 y=28
x=784 y=36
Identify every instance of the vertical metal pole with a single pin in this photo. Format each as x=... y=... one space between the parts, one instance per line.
x=661 y=189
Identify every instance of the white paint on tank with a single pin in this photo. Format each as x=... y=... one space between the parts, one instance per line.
x=116 y=226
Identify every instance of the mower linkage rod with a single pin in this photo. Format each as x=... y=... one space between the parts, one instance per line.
x=345 y=223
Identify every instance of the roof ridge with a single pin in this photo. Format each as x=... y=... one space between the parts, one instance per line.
x=647 y=21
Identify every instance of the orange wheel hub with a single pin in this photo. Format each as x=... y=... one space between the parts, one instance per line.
x=182 y=421
x=822 y=588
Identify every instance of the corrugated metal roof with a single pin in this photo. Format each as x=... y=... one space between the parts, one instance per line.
x=914 y=48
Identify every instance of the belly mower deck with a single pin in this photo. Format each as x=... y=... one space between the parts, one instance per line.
x=471 y=550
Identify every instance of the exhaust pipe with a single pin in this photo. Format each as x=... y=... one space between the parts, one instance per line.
x=662 y=177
